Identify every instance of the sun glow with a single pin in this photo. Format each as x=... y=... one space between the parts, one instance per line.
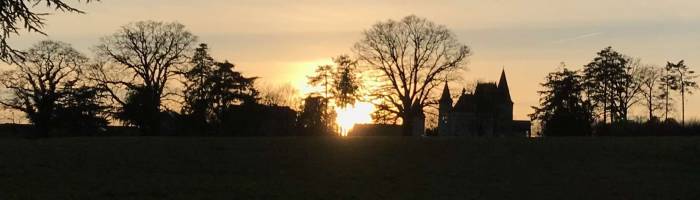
x=358 y=114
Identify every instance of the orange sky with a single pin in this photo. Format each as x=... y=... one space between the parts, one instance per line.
x=282 y=41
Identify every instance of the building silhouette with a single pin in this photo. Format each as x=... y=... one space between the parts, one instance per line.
x=487 y=111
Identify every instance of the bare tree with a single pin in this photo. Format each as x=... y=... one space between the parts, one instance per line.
x=143 y=56
x=49 y=69
x=280 y=95
x=650 y=78
x=631 y=88
x=16 y=15
x=412 y=57
x=384 y=114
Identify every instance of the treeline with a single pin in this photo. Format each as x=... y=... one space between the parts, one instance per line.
x=133 y=79
x=597 y=99
x=149 y=76
x=406 y=59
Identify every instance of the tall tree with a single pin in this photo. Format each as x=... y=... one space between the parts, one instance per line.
x=44 y=77
x=142 y=56
x=563 y=111
x=195 y=85
x=650 y=78
x=684 y=82
x=324 y=78
x=346 y=83
x=666 y=84
x=222 y=88
x=211 y=87
x=412 y=57
x=16 y=15
x=631 y=87
x=607 y=83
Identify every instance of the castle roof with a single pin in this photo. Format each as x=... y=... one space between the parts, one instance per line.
x=503 y=87
x=486 y=89
x=485 y=96
x=446 y=97
x=465 y=103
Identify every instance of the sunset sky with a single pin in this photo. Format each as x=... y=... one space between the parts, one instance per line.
x=282 y=41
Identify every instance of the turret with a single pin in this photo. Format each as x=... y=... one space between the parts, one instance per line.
x=446 y=97
x=445 y=109
x=503 y=87
x=506 y=108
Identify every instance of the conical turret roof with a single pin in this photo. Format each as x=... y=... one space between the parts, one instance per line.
x=446 y=97
x=503 y=86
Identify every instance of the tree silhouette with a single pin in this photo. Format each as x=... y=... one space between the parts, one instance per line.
x=666 y=84
x=384 y=114
x=46 y=75
x=682 y=79
x=82 y=111
x=346 y=83
x=230 y=87
x=650 y=78
x=195 y=95
x=16 y=15
x=212 y=87
x=412 y=57
x=141 y=57
x=610 y=84
x=280 y=95
x=563 y=110
x=316 y=118
x=140 y=109
x=319 y=121
x=324 y=77
x=632 y=85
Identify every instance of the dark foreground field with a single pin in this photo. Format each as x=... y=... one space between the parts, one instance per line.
x=350 y=168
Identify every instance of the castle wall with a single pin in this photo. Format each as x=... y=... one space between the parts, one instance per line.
x=504 y=125
x=443 y=121
x=462 y=124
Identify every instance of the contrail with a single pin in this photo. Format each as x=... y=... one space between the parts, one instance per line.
x=579 y=37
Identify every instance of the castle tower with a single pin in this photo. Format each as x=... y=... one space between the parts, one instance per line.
x=503 y=87
x=505 y=114
x=505 y=93
x=445 y=109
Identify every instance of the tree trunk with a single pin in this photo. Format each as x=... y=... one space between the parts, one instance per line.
x=153 y=122
x=42 y=120
x=407 y=126
x=605 y=111
x=666 y=105
x=651 y=108
x=682 y=103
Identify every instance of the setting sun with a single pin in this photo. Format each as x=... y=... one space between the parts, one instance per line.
x=358 y=114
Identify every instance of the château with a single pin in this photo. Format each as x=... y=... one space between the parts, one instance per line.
x=486 y=111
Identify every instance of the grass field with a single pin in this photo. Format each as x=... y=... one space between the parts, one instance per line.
x=350 y=168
